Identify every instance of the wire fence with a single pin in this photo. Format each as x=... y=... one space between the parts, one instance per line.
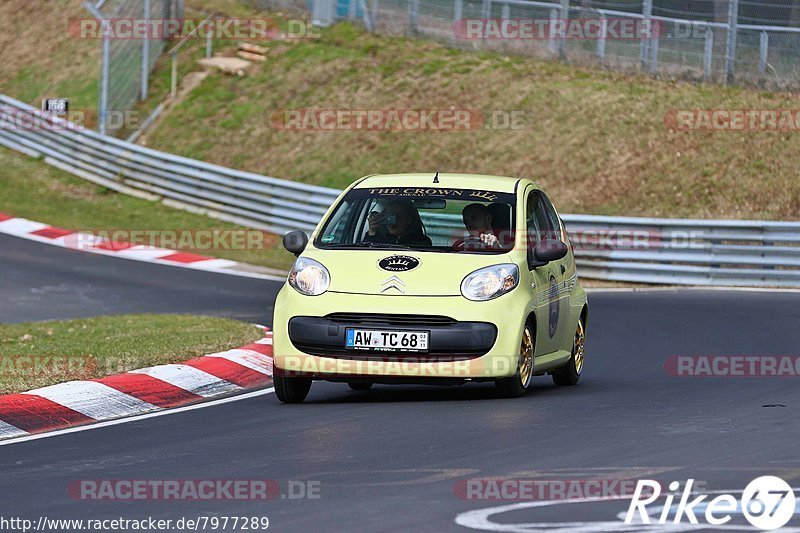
x=126 y=63
x=728 y=41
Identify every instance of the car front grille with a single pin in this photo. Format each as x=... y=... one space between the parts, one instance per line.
x=390 y=319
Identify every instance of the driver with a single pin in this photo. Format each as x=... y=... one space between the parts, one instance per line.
x=405 y=227
x=478 y=221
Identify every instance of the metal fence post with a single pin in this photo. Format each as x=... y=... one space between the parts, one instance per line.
x=763 y=53
x=209 y=41
x=413 y=15
x=351 y=9
x=552 y=48
x=366 y=16
x=486 y=9
x=145 y=54
x=104 y=77
x=647 y=29
x=102 y=111
x=173 y=91
x=506 y=13
x=601 y=41
x=458 y=10
x=730 y=52
x=562 y=43
x=653 y=61
x=708 y=53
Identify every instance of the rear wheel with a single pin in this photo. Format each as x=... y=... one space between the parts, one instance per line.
x=291 y=390
x=520 y=382
x=356 y=385
x=570 y=373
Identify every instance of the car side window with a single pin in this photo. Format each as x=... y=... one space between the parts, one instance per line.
x=362 y=223
x=537 y=219
x=552 y=217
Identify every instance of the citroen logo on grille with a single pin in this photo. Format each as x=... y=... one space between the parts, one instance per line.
x=393 y=283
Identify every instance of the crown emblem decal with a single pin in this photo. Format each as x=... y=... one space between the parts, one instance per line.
x=398 y=263
x=485 y=195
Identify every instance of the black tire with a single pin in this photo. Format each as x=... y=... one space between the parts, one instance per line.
x=518 y=384
x=291 y=390
x=570 y=374
x=360 y=385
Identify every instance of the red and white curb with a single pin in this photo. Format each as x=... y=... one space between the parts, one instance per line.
x=137 y=392
x=37 y=231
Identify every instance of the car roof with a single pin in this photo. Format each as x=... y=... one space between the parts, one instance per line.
x=445 y=180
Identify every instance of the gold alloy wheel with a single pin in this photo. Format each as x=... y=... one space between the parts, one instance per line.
x=526 y=358
x=580 y=341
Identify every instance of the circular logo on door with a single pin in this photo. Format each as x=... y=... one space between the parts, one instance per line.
x=399 y=263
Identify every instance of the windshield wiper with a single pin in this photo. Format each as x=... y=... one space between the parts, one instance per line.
x=369 y=245
x=386 y=245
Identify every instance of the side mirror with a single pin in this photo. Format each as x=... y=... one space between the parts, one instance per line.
x=295 y=241
x=546 y=251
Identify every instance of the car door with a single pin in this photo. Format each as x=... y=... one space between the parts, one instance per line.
x=545 y=277
x=565 y=273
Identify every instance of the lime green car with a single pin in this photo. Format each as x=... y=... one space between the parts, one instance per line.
x=431 y=278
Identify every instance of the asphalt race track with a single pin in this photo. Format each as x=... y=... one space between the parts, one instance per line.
x=389 y=459
x=41 y=282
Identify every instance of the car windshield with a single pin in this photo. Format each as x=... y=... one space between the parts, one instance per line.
x=427 y=219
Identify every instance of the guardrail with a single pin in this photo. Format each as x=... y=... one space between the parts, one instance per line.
x=647 y=250
x=687 y=252
x=235 y=196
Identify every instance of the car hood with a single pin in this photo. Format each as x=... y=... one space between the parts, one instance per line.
x=365 y=271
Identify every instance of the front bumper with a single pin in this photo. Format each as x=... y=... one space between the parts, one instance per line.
x=448 y=339
x=479 y=340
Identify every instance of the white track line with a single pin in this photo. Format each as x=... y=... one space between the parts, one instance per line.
x=22 y=228
x=136 y=418
x=684 y=288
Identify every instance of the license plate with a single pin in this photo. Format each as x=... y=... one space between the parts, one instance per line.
x=385 y=340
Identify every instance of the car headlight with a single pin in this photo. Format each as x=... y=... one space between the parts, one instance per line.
x=309 y=277
x=490 y=282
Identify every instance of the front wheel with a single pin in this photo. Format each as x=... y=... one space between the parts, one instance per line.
x=520 y=382
x=570 y=373
x=291 y=390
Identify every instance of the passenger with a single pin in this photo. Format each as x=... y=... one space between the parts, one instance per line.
x=406 y=228
x=478 y=221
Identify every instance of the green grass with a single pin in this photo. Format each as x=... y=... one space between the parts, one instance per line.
x=31 y=189
x=38 y=354
x=595 y=139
